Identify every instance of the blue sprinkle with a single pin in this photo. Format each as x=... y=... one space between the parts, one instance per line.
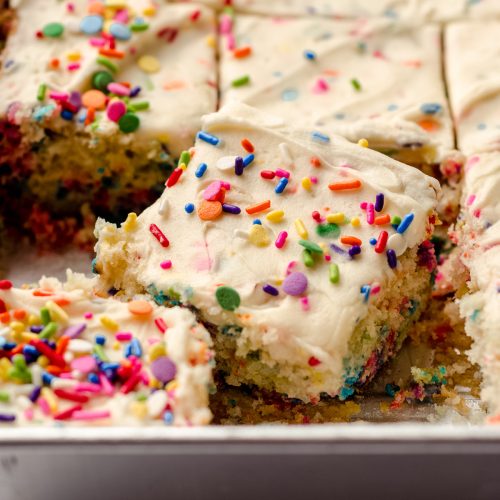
x=257 y=221
x=289 y=95
x=365 y=290
x=309 y=54
x=392 y=107
x=29 y=350
x=120 y=31
x=136 y=348
x=40 y=113
x=337 y=249
x=270 y=290
x=474 y=315
x=346 y=392
x=339 y=116
x=373 y=241
x=100 y=339
x=405 y=223
x=66 y=114
x=93 y=378
x=189 y=208
x=391 y=258
x=109 y=366
x=91 y=25
x=211 y=139
x=391 y=389
x=280 y=187
x=431 y=108
x=168 y=417
x=481 y=126
x=202 y=168
x=248 y=159
x=319 y=137
x=47 y=378
x=94 y=265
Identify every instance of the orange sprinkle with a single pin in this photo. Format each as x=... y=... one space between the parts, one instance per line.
x=95 y=8
x=5 y=317
x=54 y=370
x=350 y=240
x=42 y=293
x=174 y=84
x=62 y=301
x=113 y=53
x=19 y=314
x=140 y=307
x=247 y=145
x=259 y=207
x=94 y=99
x=62 y=345
x=344 y=185
x=209 y=210
x=429 y=125
x=18 y=349
x=242 y=52
x=54 y=63
x=315 y=162
x=382 y=219
x=90 y=116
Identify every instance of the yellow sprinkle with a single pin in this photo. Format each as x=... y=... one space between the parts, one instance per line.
x=27 y=336
x=57 y=313
x=108 y=323
x=211 y=41
x=355 y=222
x=363 y=143
x=171 y=386
x=156 y=351
x=51 y=399
x=155 y=384
x=164 y=138
x=258 y=236
x=139 y=409
x=337 y=218
x=275 y=216
x=131 y=223
x=149 y=64
x=5 y=366
x=43 y=361
x=306 y=183
x=33 y=320
x=74 y=56
x=116 y=346
x=183 y=166
x=301 y=229
x=149 y=11
x=108 y=14
x=16 y=326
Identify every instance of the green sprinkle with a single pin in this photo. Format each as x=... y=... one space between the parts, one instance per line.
x=138 y=106
x=139 y=27
x=19 y=362
x=334 y=273
x=45 y=316
x=329 y=230
x=307 y=258
x=23 y=376
x=185 y=158
x=312 y=247
x=228 y=298
x=53 y=30
x=4 y=397
x=356 y=85
x=104 y=61
x=141 y=397
x=101 y=80
x=396 y=220
x=99 y=352
x=42 y=90
x=48 y=331
x=129 y=123
x=242 y=80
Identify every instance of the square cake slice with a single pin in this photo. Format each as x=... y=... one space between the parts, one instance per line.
x=473 y=73
x=306 y=256
x=364 y=79
x=97 y=101
x=68 y=356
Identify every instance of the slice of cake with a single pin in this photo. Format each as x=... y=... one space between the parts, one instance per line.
x=68 y=356
x=372 y=80
x=97 y=102
x=306 y=256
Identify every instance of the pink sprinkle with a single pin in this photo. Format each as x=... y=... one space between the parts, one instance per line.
x=378 y=54
x=70 y=7
x=88 y=315
x=97 y=42
x=161 y=325
x=225 y=25
x=145 y=378
x=363 y=205
x=477 y=213
x=370 y=213
x=107 y=388
x=73 y=66
x=212 y=191
x=305 y=303
x=231 y=43
x=122 y=16
x=29 y=413
x=290 y=267
x=87 y=387
x=328 y=258
x=471 y=199
x=84 y=364
x=321 y=86
x=58 y=96
x=281 y=239
x=153 y=341
x=116 y=109
x=166 y=264
x=282 y=173
x=471 y=162
x=44 y=406
x=375 y=289
x=314 y=180
x=123 y=336
x=90 y=415
x=226 y=185
x=118 y=89
x=66 y=375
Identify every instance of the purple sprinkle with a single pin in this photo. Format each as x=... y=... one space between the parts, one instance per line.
x=75 y=98
x=231 y=209
x=337 y=249
x=74 y=331
x=36 y=328
x=35 y=394
x=295 y=284
x=163 y=368
x=354 y=250
x=239 y=165
x=7 y=417
x=270 y=290
x=391 y=258
x=379 y=202
x=135 y=92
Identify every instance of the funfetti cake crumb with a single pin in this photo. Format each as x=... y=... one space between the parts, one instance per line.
x=305 y=255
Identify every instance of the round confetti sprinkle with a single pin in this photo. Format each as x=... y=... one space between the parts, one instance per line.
x=209 y=210
x=228 y=298
x=101 y=80
x=259 y=236
x=430 y=108
x=116 y=109
x=140 y=307
x=189 y=208
x=120 y=31
x=94 y=99
x=295 y=284
x=149 y=64
x=163 y=369
x=91 y=25
x=129 y=122
x=84 y=364
x=289 y=95
x=53 y=30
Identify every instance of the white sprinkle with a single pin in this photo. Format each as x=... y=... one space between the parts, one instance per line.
x=226 y=163
x=63 y=383
x=36 y=374
x=80 y=346
x=397 y=243
x=156 y=403
x=239 y=233
x=162 y=210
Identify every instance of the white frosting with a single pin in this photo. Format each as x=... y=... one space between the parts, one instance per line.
x=398 y=71
x=207 y=254
x=473 y=71
x=179 y=93
x=186 y=344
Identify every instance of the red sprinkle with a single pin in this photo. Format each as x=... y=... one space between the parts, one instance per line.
x=44 y=349
x=247 y=145
x=381 y=242
x=316 y=216
x=195 y=15
x=130 y=384
x=64 y=415
x=5 y=284
x=161 y=325
x=267 y=174
x=174 y=177
x=314 y=361
x=71 y=396
x=156 y=232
